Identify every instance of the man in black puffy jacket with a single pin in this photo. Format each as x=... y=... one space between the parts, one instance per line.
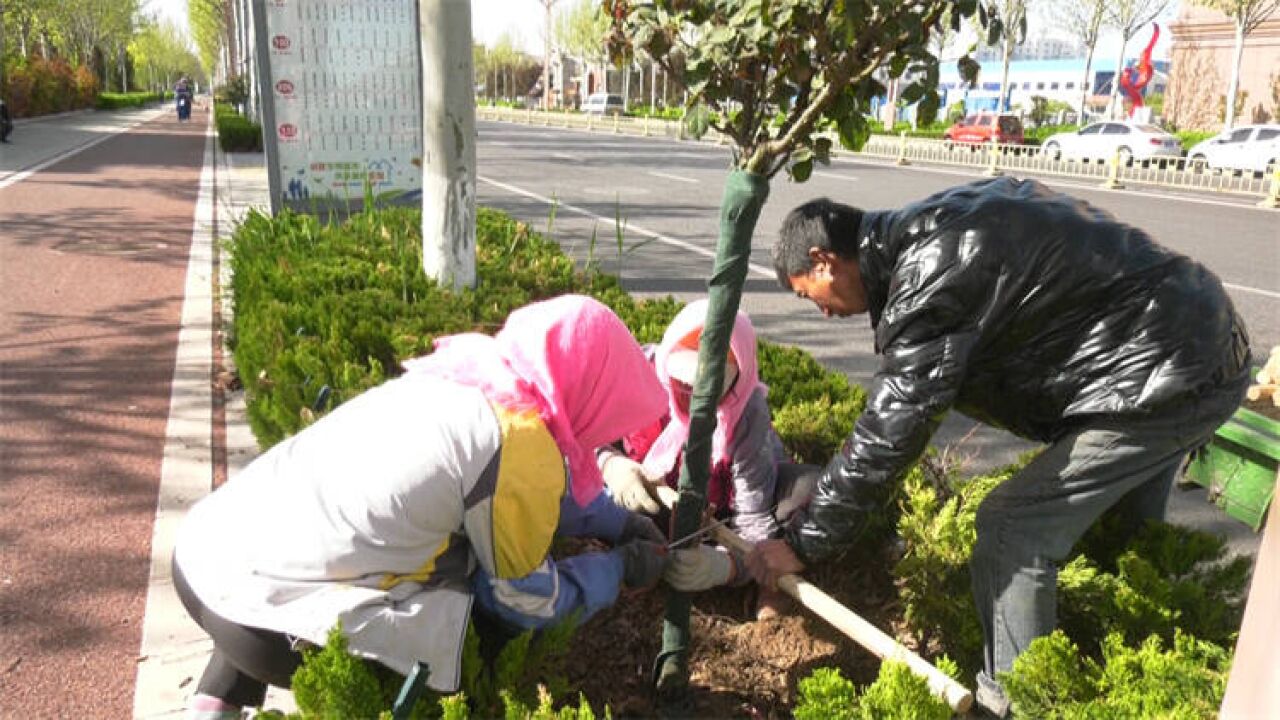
x=1031 y=311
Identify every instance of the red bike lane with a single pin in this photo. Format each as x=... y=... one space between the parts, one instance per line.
x=93 y=260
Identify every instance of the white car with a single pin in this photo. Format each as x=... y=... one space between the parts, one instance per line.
x=1101 y=141
x=1251 y=147
x=603 y=104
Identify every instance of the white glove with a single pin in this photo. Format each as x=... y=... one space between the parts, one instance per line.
x=700 y=568
x=628 y=483
x=667 y=495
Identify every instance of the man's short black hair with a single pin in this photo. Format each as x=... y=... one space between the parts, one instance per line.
x=821 y=223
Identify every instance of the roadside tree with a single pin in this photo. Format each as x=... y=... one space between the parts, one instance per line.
x=1083 y=20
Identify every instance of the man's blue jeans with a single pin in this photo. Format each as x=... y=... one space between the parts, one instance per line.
x=1028 y=524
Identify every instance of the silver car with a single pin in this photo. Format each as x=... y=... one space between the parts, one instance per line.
x=1102 y=140
x=1250 y=147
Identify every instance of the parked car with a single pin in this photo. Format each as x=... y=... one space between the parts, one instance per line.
x=982 y=127
x=1251 y=147
x=603 y=104
x=1101 y=141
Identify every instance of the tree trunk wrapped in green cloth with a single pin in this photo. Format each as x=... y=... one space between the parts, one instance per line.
x=782 y=79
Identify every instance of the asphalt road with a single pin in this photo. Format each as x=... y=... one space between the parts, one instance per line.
x=664 y=197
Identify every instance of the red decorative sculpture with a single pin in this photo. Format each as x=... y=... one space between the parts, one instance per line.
x=1134 y=79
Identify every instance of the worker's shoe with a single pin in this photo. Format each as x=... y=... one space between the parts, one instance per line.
x=989 y=699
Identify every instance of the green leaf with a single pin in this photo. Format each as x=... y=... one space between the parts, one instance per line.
x=969 y=69
x=995 y=31
x=854 y=132
x=913 y=93
x=927 y=110
x=822 y=150
x=800 y=171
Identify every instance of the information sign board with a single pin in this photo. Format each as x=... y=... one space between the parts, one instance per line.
x=342 y=106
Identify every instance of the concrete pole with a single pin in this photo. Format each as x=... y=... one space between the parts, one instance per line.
x=448 y=143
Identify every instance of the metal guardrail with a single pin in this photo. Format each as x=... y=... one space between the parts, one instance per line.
x=993 y=159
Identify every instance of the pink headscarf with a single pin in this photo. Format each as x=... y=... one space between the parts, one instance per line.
x=662 y=456
x=570 y=359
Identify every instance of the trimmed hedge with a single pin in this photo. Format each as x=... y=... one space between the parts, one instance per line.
x=324 y=312
x=236 y=133
x=119 y=101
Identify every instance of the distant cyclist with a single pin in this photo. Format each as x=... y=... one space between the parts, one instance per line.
x=183 y=97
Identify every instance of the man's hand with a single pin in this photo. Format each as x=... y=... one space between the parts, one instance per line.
x=643 y=563
x=770 y=560
x=700 y=568
x=628 y=483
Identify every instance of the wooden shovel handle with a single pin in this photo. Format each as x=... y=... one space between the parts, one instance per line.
x=859 y=630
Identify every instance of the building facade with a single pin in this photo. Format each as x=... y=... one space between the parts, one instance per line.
x=1202 y=53
x=1062 y=80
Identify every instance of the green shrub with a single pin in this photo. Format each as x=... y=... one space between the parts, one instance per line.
x=813 y=430
x=118 y=101
x=1190 y=138
x=1037 y=135
x=523 y=681
x=897 y=694
x=794 y=376
x=1052 y=679
x=41 y=87
x=236 y=133
x=326 y=311
x=234 y=92
x=938 y=527
x=1161 y=578
x=332 y=683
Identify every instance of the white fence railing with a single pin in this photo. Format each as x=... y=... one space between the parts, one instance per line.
x=992 y=159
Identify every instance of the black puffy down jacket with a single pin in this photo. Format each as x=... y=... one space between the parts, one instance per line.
x=1025 y=309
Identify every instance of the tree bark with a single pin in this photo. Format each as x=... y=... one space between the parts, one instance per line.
x=1113 y=105
x=1005 y=95
x=1234 y=85
x=653 y=85
x=448 y=144
x=1086 y=87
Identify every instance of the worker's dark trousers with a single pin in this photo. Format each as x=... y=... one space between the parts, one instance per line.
x=1028 y=524
x=245 y=659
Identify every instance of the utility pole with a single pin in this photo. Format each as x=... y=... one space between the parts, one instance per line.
x=546 y=57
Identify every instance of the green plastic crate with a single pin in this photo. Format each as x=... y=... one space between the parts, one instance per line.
x=1239 y=466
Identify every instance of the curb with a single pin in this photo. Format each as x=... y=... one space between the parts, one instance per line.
x=174 y=650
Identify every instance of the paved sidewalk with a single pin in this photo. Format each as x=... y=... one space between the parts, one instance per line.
x=174 y=649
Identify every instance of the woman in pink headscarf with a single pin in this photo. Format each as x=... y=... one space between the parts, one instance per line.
x=394 y=512
x=751 y=478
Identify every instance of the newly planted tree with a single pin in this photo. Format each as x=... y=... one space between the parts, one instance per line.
x=776 y=75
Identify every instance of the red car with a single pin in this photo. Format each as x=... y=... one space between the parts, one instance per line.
x=983 y=127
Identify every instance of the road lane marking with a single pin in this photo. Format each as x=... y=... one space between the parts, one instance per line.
x=834 y=176
x=1256 y=291
x=669 y=176
x=665 y=239
x=563 y=156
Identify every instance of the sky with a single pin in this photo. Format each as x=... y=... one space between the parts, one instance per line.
x=525 y=20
